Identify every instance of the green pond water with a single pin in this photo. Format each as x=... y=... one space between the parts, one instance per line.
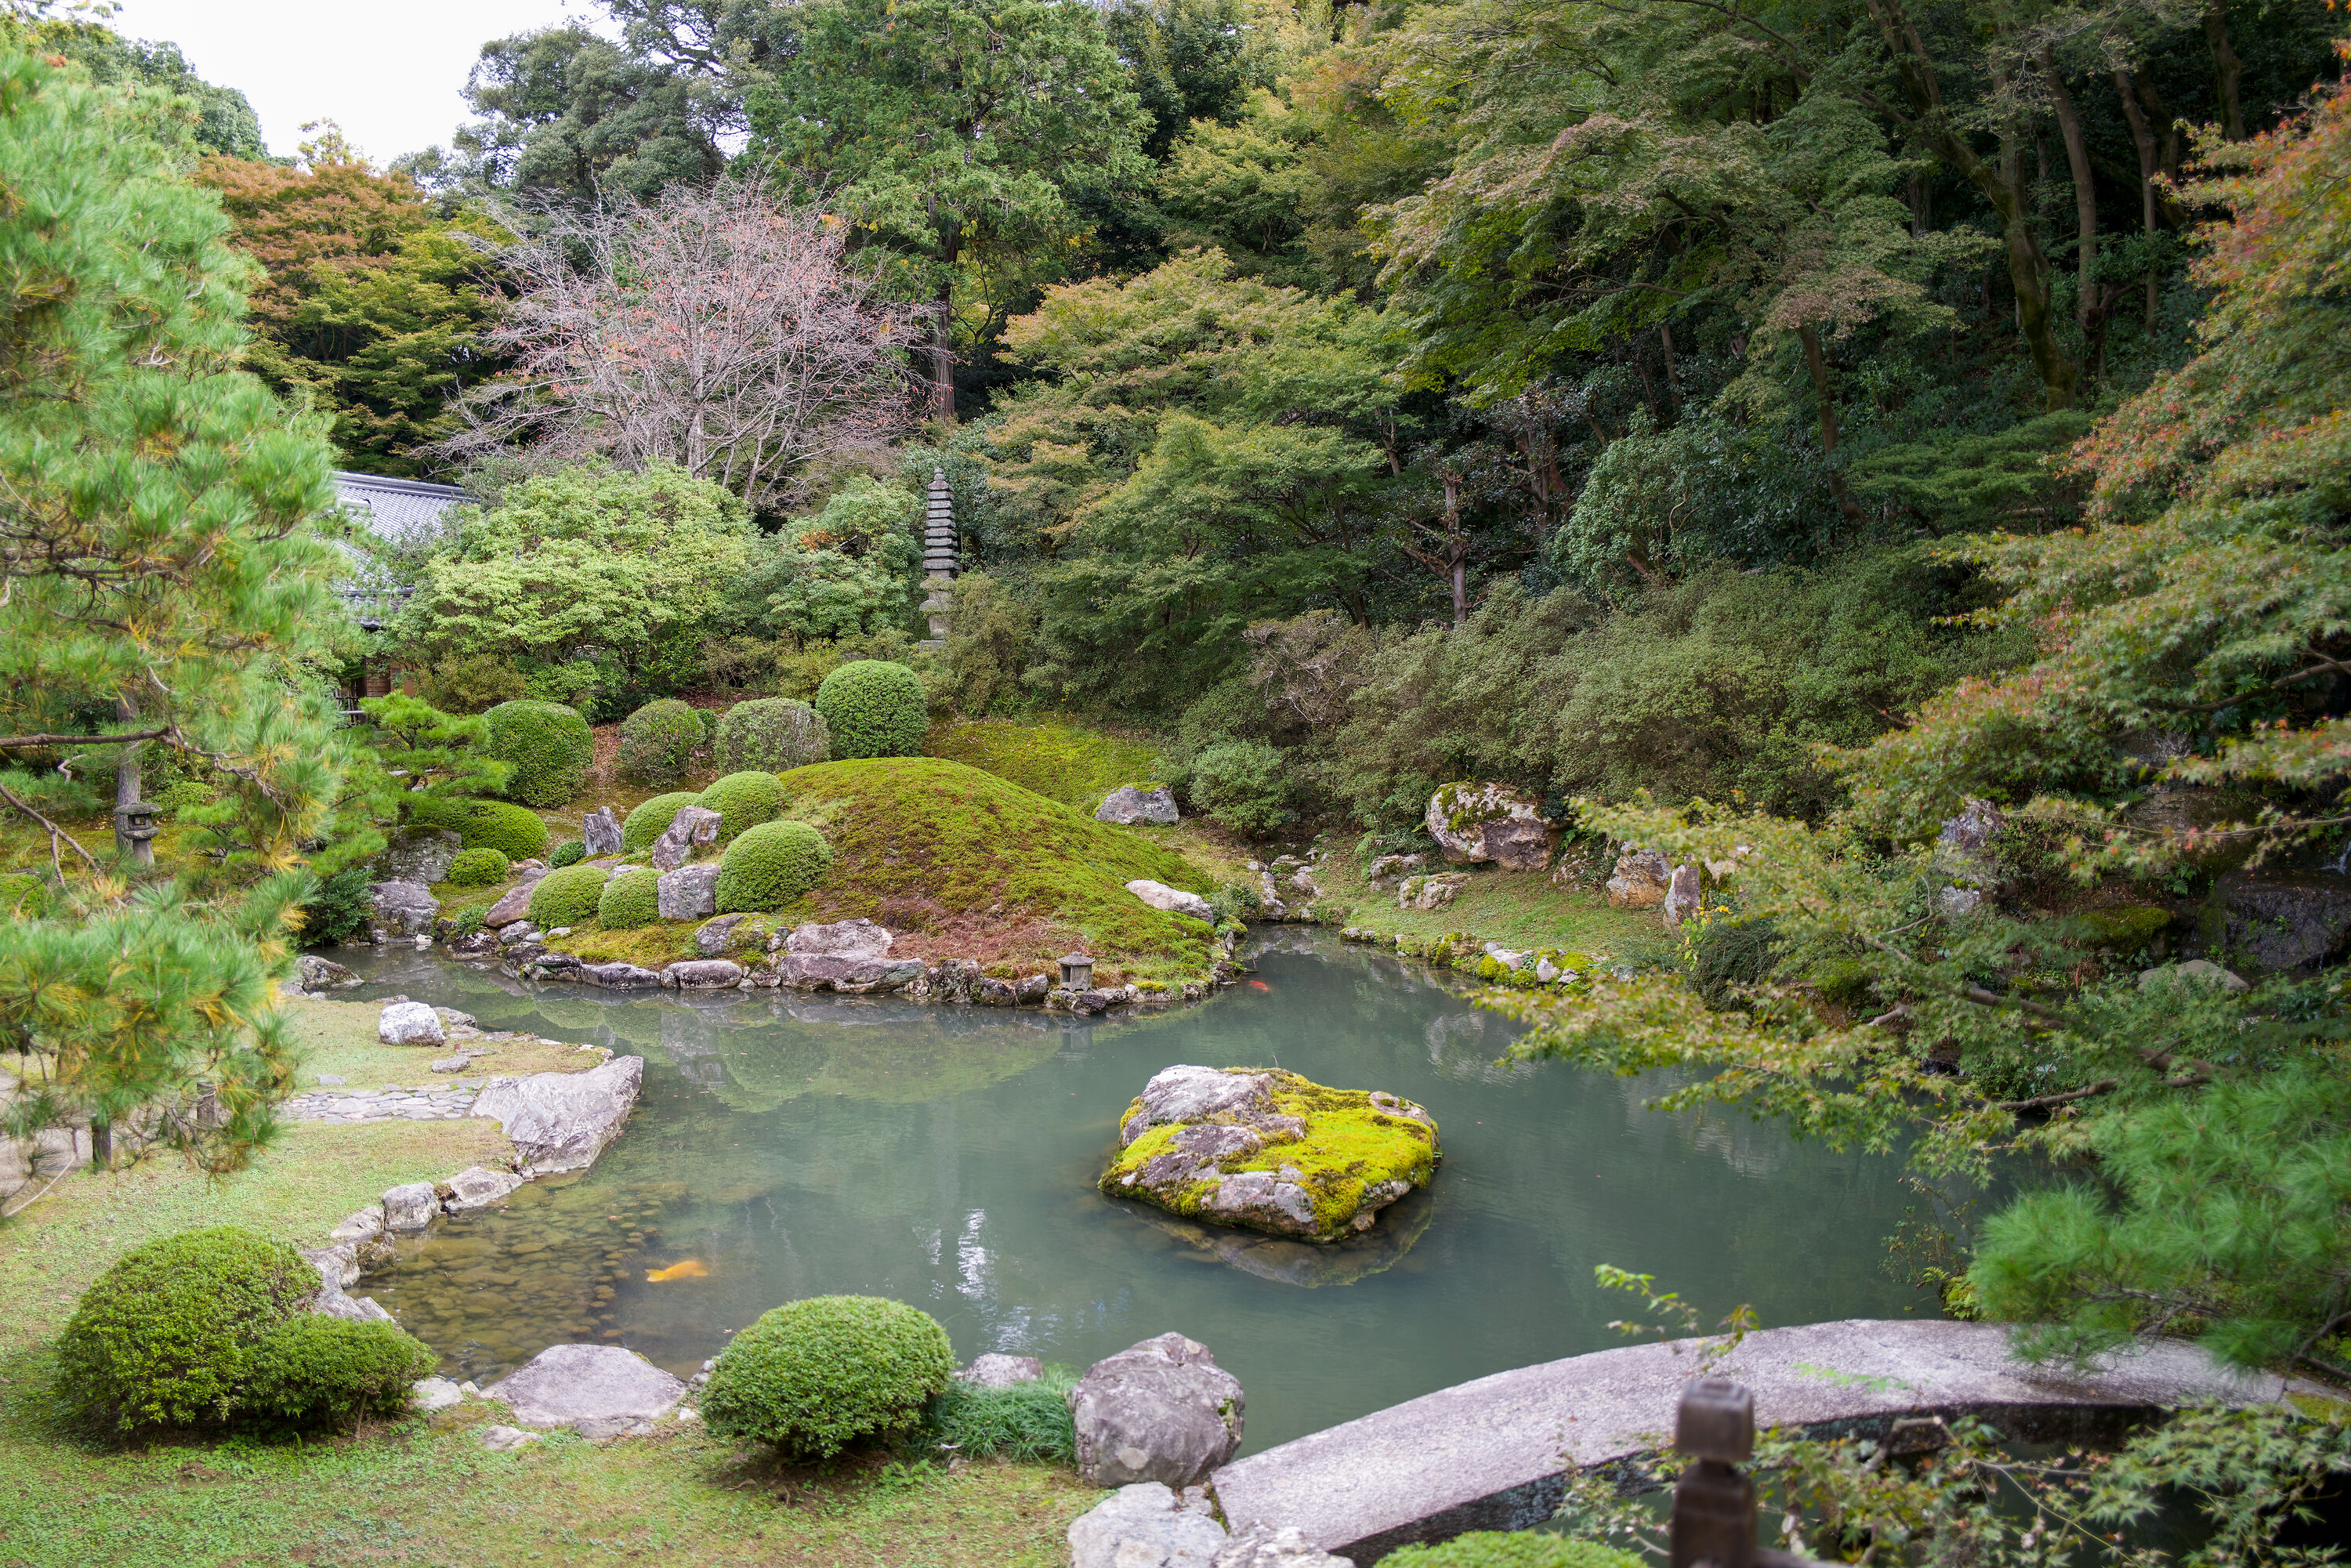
x=789 y=1145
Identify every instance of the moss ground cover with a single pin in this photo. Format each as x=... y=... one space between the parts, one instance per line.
x=1067 y=762
x=1517 y=908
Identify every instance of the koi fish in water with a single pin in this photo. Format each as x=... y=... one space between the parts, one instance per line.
x=691 y=1269
x=1259 y=984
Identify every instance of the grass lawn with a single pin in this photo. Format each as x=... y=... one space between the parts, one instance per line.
x=1520 y=909
x=339 y=1038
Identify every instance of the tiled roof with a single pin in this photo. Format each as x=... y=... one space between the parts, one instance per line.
x=396 y=509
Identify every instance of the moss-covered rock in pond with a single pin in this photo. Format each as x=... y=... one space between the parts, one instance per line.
x=1267 y=1150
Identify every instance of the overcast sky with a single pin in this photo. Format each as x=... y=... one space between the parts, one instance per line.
x=388 y=73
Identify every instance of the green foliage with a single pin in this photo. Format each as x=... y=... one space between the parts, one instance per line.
x=1512 y=1549
x=771 y=735
x=477 y=868
x=567 y=897
x=516 y=832
x=1028 y=1423
x=170 y=98
x=871 y=708
x=811 y=1377
x=471 y=683
x=548 y=745
x=652 y=818
x=632 y=899
x=1244 y=785
x=24 y=897
x=658 y=741
x=167 y=1335
x=430 y=751
x=315 y=1371
x=771 y=865
x=340 y=908
x=849 y=569
x=990 y=634
x=570 y=851
x=743 y=800
x=181 y=797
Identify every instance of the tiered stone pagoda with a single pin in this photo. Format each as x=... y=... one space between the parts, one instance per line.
x=939 y=558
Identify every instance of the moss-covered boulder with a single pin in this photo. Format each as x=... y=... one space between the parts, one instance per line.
x=1267 y=1150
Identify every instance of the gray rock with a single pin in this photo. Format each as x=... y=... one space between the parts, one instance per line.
x=338 y=1265
x=321 y=973
x=1262 y=1546
x=1683 y=898
x=518 y=933
x=475 y=1187
x=352 y=1309
x=1127 y=805
x=600 y=832
x=847 y=954
x=1640 y=879
x=619 y=977
x=431 y=1394
x=457 y=1063
x=859 y=939
x=990 y=992
x=410 y=1023
x=1173 y=900
x=689 y=893
x=1159 y=1411
x=2286 y=919
x=695 y=974
x=714 y=937
x=509 y=908
x=504 y=1440
x=1431 y=892
x=1958 y=902
x=565 y=1385
x=2196 y=971
x=1490 y=822
x=1146 y=1526
x=411 y=1208
x=332 y=1078
x=402 y=909
x=1033 y=989
x=993 y=1371
x=561 y=1121
x=364 y=1225
x=693 y=828
x=418 y=854
x=1261 y=1199
x=1389 y=870
x=1969 y=834
x=1187 y=1092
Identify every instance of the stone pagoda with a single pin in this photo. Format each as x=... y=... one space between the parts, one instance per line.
x=939 y=556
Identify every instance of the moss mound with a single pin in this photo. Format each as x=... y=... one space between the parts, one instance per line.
x=657 y=741
x=648 y=822
x=813 y=1376
x=1511 y=1549
x=771 y=735
x=515 y=831
x=1315 y=1162
x=875 y=708
x=629 y=900
x=548 y=745
x=919 y=841
x=567 y=897
x=771 y=865
x=1064 y=762
x=743 y=800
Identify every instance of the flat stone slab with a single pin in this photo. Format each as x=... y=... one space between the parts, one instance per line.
x=1493 y=1454
x=561 y=1121
x=571 y=1384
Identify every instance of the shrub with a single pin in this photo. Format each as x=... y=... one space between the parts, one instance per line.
x=166 y=1336
x=744 y=800
x=1243 y=785
x=570 y=851
x=471 y=683
x=567 y=897
x=771 y=865
x=1511 y=1549
x=478 y=868
x=629 y=900
x=657 y=741
x=515 y=831
x=1029 y=1421
x=813 y=1376
x=179 y=797
x=708 y=720
x=549 y=746
x=775 y=734
x=873 y=709
x=313 y=1371
x=648 y=822
x=340 y=910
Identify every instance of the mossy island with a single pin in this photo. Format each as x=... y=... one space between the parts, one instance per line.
x=1262 y=1149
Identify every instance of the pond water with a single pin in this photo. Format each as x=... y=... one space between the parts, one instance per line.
x=789 y=1145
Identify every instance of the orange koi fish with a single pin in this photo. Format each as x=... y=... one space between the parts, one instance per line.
x=691 y=1269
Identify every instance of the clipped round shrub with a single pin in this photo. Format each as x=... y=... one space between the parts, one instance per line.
x=567 y=897
x=815 y=1375
x=874 y=708
x=1243 y=785
x=314 y=1371
x=515 y=831
x=477 y=868
x=166 y=1336
x=744 y=800
x=648 y=822
x=548 y=745
x=657 y=741
x=570 y=851
x=1511 y=1549
x=769 y=865
x=774 y=735
x=629 y=900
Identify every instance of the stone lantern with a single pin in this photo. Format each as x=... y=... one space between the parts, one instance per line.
x=940 y=555
x=134 y=824
x=1077 y=971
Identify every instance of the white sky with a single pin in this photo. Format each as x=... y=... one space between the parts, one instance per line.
x=388 y=73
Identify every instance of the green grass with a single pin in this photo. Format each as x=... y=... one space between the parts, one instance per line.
x=339 y=1038
x=1517 y=909
x=1062 y=761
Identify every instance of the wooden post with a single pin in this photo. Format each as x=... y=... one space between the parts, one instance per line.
x=1714 y=1501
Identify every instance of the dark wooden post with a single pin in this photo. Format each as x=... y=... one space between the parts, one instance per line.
x=1714 y=1501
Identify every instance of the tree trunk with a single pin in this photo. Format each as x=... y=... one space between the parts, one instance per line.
x=2143 y=135
x=1673 y=388
x=126 y=788
x=2085 y=201
x=101 y=1145
x=2227 y=70
x=1818 y=364
x=1456 y=548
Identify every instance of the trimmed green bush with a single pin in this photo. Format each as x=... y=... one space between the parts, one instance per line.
x=549 y=746
x=515 y=831
x=166 y=1336
x=657 y=741
x=629 y=900
x=648 y=822
x=1029 y=1421
x=874 y=708
x=1511 y=1549
x=570 y=851
x=813 y=1376
x=773 y=735
x=312 y=1370
x=478 y=868
x=744 y=800
x=1244 y=785
x=567 y=897
x=771 y=865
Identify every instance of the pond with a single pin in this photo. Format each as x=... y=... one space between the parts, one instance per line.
x=789 y=1145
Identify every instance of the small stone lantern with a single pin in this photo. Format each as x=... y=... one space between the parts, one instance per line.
x=135 y=821
x=1077 y=971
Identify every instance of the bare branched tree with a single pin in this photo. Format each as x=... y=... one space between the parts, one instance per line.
x=722 y=330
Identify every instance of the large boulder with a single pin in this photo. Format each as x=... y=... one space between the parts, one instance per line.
x=714 y=937
x=410 y=1023
x=1684 y=897
x=515 y=904
x=410 y=1207
x=689 y=893
x=843 y=954
x=1159 y=1411
x=1173 y=900
x=1491 y=822
x=597 y=1390
x=693 y=828
x=476 y=1187
x=1640 y=880
x=320 y=973
x=1146 y=1525
x=561 y=1121
x=1127 y=805
x=419 y=855
x=705 y=974
x=2286 y=919
x=618 y=976
x=600 y=832
x=402 y=909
